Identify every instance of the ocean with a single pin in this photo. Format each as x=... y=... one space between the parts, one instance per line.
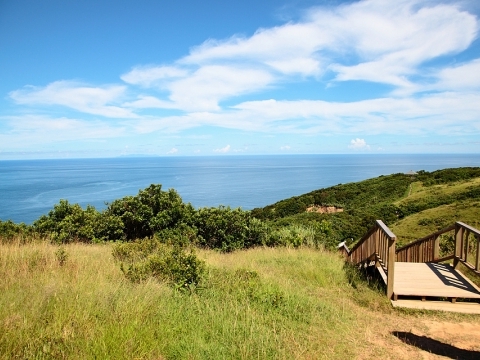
x=30 y=188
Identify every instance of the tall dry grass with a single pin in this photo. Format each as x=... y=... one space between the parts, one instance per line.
x=74 y=302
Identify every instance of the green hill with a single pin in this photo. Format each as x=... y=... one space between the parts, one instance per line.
x=411 y=205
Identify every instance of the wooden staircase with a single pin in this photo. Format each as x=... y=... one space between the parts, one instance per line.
x=418 y=275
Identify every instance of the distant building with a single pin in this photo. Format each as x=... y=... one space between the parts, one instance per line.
x=411 y=172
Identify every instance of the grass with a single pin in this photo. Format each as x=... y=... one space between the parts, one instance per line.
x=74 y=302
x=418 y=192
x=429 y=221
x=423 y=223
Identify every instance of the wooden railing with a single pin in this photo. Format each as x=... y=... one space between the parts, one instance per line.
x=462 y=246
x=377 y=245
x=427 y=249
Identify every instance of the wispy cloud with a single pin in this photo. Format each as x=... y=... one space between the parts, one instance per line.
x=83 y=98
x=153 y=75
x=30 y=130
x=223 y=150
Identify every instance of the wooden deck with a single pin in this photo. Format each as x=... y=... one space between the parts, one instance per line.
x=432 y=280
x=418 y=272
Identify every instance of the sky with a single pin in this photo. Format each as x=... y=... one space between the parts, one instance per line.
x=98 y=78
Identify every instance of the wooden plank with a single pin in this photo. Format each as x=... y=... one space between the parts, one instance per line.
x=458 y=307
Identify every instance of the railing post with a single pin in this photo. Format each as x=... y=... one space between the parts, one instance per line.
x=390 y=266
x=458 y=244
x=477 y=262
x=465 y=246
x=436 y=247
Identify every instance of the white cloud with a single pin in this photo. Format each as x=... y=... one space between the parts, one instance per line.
x=436 y=113
x=223 y=150
x=461 y=77
x=358 y=144
x=393 y=38
x=87 y=99
x=211 y=84
x=172 y=151
x=294 y=42
x=286 y=147
x=145 y=101
x=386 y=40
x=152 y=75
x=31 y=130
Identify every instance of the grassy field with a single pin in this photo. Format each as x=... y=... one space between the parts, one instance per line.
x=74 y=302
x=428 y=221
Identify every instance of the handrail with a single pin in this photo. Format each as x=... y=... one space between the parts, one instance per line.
x=426 y=249
x=462 y=242
x=378 y=244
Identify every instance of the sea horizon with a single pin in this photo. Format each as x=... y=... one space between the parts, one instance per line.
x=30 y=188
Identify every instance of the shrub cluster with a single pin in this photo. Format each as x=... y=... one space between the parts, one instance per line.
x=160 y=214
x=9 y=231
x=176 y=265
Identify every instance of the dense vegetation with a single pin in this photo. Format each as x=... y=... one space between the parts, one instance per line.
x=388 y=198
x=162 y=215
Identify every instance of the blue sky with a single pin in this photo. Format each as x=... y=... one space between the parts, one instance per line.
x=181 y=78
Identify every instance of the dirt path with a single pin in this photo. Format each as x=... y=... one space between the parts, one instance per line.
x=430 y=339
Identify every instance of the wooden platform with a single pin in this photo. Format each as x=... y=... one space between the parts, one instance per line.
x=432 y=280
x=458 y=307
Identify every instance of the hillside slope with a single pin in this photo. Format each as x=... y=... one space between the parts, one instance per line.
x=412 y=205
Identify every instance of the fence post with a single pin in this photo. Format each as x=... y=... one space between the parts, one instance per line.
x=458 y=244
x=436 y=247
x=477 y=262
x=390 y=266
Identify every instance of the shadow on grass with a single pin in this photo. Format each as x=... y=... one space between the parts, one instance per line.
x=436 y=347
x=367 y=276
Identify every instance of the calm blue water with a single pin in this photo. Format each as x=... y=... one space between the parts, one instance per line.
x=30 y=188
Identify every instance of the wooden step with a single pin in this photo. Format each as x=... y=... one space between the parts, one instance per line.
x=459 y=307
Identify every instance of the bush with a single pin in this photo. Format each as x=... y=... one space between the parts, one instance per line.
x=9 y=231
x=229 y=229
x=152 y=210
x=149 y=258
x=69 y=223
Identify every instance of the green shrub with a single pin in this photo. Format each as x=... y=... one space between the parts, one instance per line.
x=152 y=210
x=149 y=258
x=9 y=231
x=229 y=229
x=69 y=223
x=61 y=255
